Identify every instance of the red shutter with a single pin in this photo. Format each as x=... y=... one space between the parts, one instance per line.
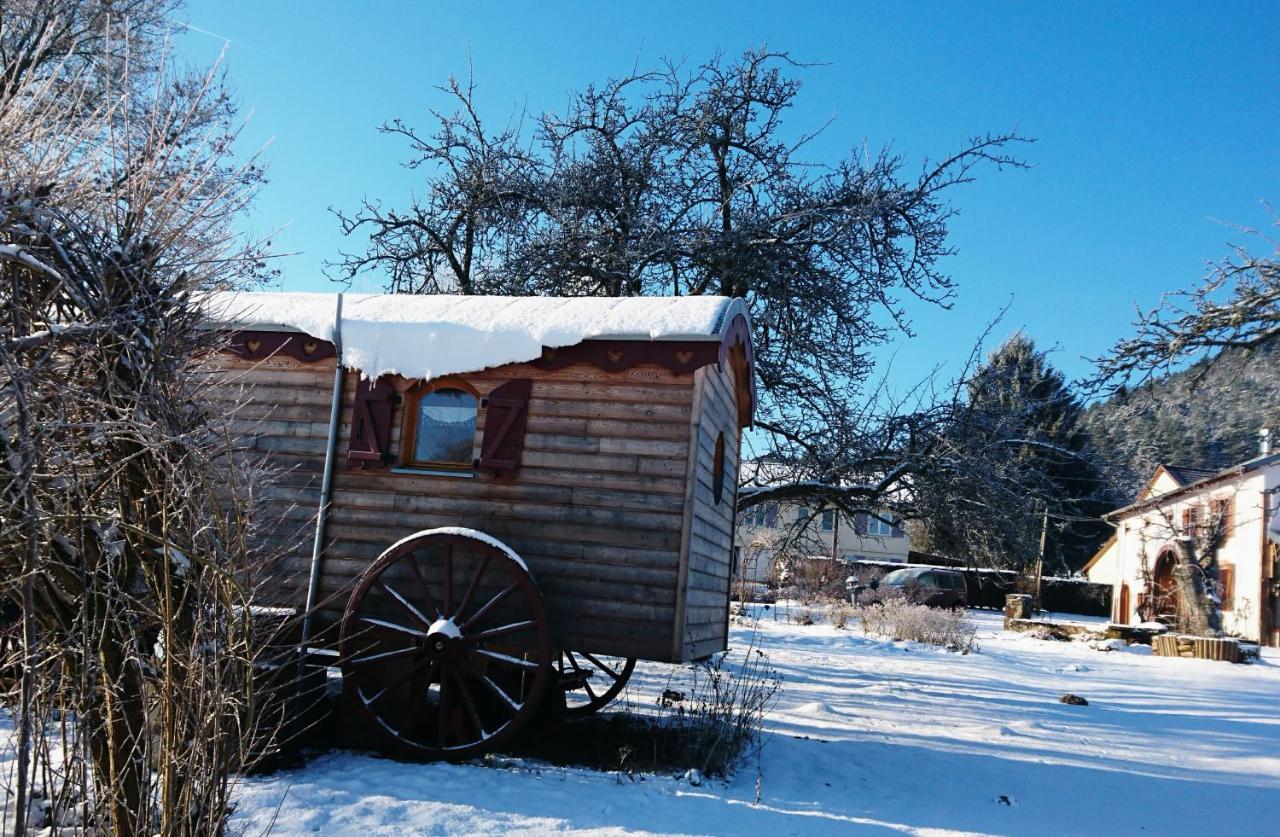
x=369 y=445
x=506 y=411
x=860 y=523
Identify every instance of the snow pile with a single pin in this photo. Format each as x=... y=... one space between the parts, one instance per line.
x=430 y=336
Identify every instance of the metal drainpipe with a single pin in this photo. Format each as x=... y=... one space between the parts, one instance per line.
x=326 y=484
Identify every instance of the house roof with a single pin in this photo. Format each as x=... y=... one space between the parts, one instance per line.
x=1197 y=478
x=1186 y=474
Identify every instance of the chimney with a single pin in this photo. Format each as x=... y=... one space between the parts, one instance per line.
x=1264 y=441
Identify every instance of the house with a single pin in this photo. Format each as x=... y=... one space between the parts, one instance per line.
x=769 y=531
x=1232 y=510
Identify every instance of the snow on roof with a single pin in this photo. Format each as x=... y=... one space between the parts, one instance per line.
x=430 y=336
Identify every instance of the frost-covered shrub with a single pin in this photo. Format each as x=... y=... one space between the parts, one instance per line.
x=838 y=614
x=902 y=620
x=716 y=723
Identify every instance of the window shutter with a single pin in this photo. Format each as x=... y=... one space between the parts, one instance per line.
x=506 y=413
x=897 y=528
x=1227 y=578
x=771 y=515
x=370 y=441
x=860 y=523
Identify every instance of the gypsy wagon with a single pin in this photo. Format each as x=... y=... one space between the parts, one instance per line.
x=489 y=500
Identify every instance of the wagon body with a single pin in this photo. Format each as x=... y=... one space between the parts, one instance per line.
x=608 y=465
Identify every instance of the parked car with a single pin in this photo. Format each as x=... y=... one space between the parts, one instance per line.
x=930 y=586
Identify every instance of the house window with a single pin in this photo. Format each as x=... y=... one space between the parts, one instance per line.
x=828 y=520
x=1191 y=521
x=878 y=528
x=440 y=428
x=764 y=516
x=1221 y=514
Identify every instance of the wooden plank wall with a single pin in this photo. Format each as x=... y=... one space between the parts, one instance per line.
x=709 y=535
x=279 y=408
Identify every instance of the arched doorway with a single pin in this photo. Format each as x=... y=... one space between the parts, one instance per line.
x=1164 y=588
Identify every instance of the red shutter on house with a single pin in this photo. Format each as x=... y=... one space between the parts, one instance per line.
x=1227 y=579
x=860 y=523
x=369 y=445
x=506 y=412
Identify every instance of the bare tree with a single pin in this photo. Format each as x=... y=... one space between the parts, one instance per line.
x=124 y=525
x=681 y=181
x=1236 y=306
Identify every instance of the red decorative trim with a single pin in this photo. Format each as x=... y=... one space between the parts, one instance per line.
x=259 y=345
x=680 y=357
x=737 y=355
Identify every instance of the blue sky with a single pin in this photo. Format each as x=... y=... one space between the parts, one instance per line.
x=1154 y=122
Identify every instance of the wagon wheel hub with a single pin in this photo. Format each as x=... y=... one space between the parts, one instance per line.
x=443 y=640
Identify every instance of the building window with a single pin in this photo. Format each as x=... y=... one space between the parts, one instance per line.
x=1221 y=514
x=828 y=520
x=440 y=428
x=878 y=528
x=764 y=515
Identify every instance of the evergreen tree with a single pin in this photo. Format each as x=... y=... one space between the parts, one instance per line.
x=1020 y=455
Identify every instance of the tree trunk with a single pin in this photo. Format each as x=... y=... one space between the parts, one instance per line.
x=1198 y=613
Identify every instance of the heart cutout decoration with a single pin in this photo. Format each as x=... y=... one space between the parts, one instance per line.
x=309 y=347
x=615 y=356
x=253 y=345
x=683 y=358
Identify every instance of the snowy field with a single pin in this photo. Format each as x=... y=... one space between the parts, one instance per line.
x=878 y=737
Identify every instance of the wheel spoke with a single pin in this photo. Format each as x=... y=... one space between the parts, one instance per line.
x=497 y=691
x=470 y=704
x=471 y=588
x=601 y=666
x=392 y=626
x=574 y=662
x=490 y=605
x=503 y=630
x=399 y=653
x=506 y=659
x=412 y=561
x=405 y=603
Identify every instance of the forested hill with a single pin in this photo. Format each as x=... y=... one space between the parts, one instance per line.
x=1208 y=418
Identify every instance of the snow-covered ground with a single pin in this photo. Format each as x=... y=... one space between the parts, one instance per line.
x=875 y=736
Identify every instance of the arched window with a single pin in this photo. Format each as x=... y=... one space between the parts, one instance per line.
x=440 y=427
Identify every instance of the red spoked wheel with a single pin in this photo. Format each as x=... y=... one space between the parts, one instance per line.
x=591 y=681
x=445 y=646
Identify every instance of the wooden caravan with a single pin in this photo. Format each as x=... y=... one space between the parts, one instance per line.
x=483 y=498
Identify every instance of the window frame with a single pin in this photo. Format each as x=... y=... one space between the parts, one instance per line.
x=876 y=521
x=409 y=426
